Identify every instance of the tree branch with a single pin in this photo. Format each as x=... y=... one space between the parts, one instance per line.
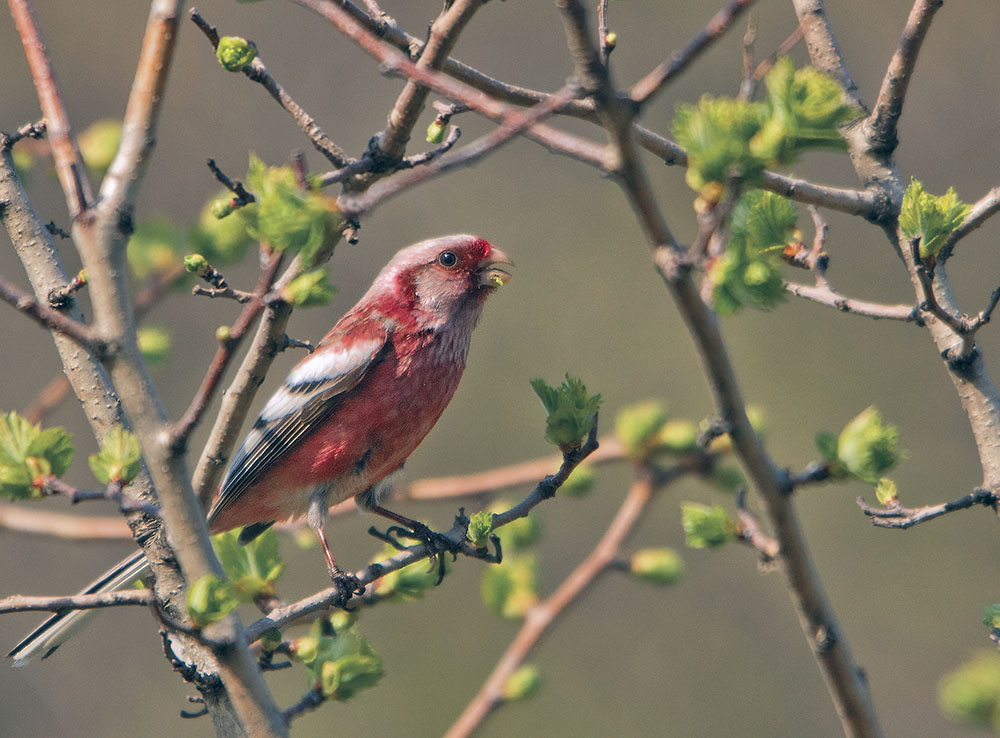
x=825 y=295
x=897 y=516
x=69 y=164
x=986 y=207
x=54 y=320
x=889 y=104
x=118 y=598
x=643 y=90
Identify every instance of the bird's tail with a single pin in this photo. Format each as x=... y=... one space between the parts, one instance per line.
x=55 y=631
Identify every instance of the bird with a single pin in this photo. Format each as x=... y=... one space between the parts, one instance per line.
x=348 y=415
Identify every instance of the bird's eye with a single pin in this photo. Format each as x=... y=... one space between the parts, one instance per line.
x=447 y=259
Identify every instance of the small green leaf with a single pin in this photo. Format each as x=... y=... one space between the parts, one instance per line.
x=223 y=240
x=309 y=290
x=579 y=482
x=29 y=454
x=509 y=590
x=408 y=583
x=480 y=527
x=657 y=565
x=154 y=248
x=154 y=344
x=867 y=447
x=522 y=684
x=99 y=144
x=678 y=437
x=991 y=618
x=210 y=599
x=970 y=694
x=286 y=217
x=929 y=217
x=826 y=444
x=638 y=427
x=271 y=639
x=119 y=459
x=706 y=526
x=570 y=411
x=339 y=664
x=197 y=264
x=253 y=568
x=235 y=53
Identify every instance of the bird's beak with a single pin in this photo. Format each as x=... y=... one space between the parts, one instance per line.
x=495 y=271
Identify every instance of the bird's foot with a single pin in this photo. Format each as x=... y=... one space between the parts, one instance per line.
x=438 y=543
x=347 y=586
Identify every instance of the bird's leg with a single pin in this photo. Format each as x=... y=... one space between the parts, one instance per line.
x=347 y=584
x=438 y=543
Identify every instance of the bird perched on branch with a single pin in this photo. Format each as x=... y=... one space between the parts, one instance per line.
x=349 y=414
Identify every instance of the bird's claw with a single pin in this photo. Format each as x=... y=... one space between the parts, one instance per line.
x=438 y=543
x=347 y=586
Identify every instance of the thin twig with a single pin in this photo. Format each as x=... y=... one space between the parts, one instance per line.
x=889 y=104
x=878 y=311
x=345 y=20
x=514 y=124
x=52 y=319
x=750 y=532
x=310 y=701
x=897 y=516
x=117 y=598
x=986 y=207
x=34 y=130
x=182 y=429
x=259 y=73
x=643 y=90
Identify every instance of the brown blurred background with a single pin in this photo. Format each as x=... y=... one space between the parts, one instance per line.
x=719 y=654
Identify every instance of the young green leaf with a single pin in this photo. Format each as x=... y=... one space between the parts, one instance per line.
x=970 y=694
x=657 y=565
x=480 y=527
x=28 y=455
x=706 y=526
x=311 y=289
x=119 y=459
x=210 y=599
x=570 y=411
x=235 y=53
x=509 y=590
x=339 y=664
x=867 y=447
x=638 y=426
x=522 y=684
x=930 y=218
x=253 y=568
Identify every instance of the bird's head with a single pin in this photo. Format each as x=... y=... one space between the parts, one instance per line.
x=443 y=276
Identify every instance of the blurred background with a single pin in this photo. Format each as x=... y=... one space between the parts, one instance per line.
x=720 y=653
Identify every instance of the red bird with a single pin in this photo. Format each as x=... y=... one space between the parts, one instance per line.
x=348 y=415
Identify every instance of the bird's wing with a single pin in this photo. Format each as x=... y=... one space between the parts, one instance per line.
x=312 y=391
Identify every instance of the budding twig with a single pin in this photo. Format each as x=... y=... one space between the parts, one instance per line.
x=897 y=516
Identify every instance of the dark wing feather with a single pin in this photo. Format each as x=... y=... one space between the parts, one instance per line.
x=309 y=398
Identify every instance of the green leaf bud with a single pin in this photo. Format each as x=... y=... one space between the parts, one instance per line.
x=154 y=248
x=435 y=132
x=221 y=208
x=706 y=526
x=235 y=53
x=509 y=590
x=480 y=527
x=610 y=40
x=99 y=144
x=886 y=492
x=210 y=599
x=339 y=665
x=638 y=427
x=657 y=565
x=970 y=694
x=570 y=411
x=309 y=290
x=930 y=218
x=119 y=459
x=343 y=619
x=154 y=344
x=223 y=333
x=522 y=684
x=197 y=264
x=991 y=618
x=867 y=447
x=579 y=482
x=678 y=437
